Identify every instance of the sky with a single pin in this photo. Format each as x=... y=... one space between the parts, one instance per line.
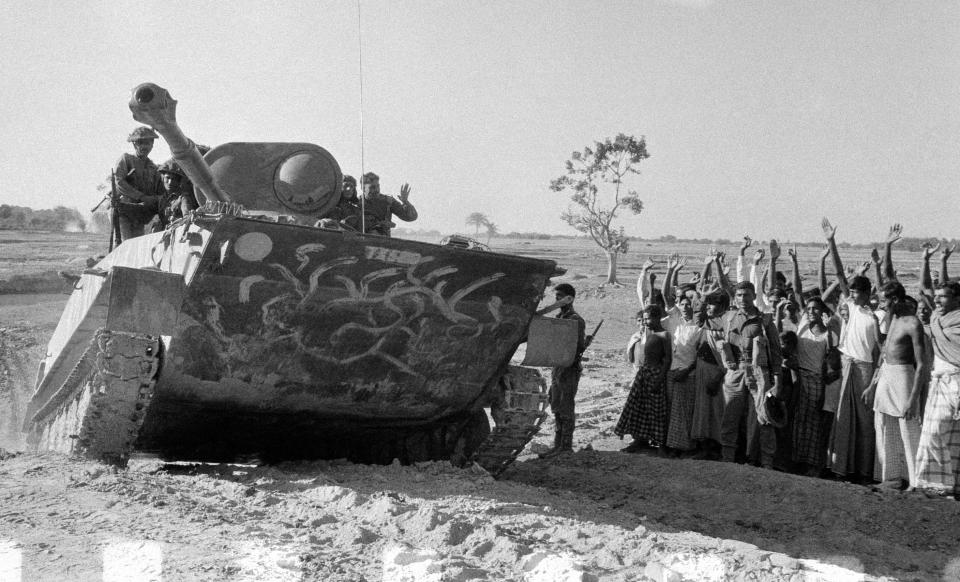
x=760 y=117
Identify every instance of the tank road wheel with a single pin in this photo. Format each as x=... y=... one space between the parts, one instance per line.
x=98 y=411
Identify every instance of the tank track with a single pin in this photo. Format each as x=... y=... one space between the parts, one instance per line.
x=517 y=414
x=98 y=411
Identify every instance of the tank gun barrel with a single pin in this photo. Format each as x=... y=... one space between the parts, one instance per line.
x=152 y=105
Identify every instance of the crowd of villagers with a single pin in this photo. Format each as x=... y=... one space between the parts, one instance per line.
x=851 y=379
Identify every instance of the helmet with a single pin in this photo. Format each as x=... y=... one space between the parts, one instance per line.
x=142 y=132
x=171 y=167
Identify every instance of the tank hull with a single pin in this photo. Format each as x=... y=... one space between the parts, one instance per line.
x=279 y=337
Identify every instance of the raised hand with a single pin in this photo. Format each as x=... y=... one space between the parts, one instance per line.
x=829 y=230
x=758 y=256
x=681 y=261
x=747 y=241
x=929 y=248
x=875 y=255
x=672 y=261
x=647 y=265
x=711 y=256
x=404 y=193
x=792 y=252
x=825 y=253
x=946 y=251
x=864 y=268
x=774 y=249
x=896 y=231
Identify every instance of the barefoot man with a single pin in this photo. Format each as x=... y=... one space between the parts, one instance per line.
x=895 y=393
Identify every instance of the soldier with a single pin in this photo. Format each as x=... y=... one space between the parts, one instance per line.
x=138 y=185
x=378 y=208
x=177 y=199
x=565 y=380
x=346 y=214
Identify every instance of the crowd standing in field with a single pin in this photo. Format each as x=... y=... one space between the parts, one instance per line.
x=852 y=378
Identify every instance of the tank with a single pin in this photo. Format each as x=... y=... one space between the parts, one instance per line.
x=244 y=332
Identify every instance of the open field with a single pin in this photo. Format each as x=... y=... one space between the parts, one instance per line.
x=597 y=514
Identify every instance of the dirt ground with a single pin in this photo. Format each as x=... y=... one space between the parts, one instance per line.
x=596 y=514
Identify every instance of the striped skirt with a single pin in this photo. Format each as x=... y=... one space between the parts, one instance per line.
x=938 y=458
x=683 y=395
x=708 y=405
x=808 y=420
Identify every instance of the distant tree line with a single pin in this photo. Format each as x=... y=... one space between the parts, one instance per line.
x=59 y=219
x=911 y=244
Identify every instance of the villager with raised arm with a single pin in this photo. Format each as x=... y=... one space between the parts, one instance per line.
x=852 y=447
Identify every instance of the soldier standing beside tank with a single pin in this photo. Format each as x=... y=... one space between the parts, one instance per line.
x=138 y=185
x=564 y=381
x=378 y=208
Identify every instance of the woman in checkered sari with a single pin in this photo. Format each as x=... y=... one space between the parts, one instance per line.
x=644 y=415
x=814 y=342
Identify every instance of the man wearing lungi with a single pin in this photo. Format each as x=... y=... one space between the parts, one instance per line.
x=852 y=445
x=938 y=460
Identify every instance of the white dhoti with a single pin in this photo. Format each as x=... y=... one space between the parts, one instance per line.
x=898 y=438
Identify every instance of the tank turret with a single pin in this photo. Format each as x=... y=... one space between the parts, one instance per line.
x=298 y=179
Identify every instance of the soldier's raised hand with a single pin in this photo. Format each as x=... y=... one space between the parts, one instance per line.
x=792 y=252
x=758 y=256
x=929 y=248
x=647 y=265
x=875 y=255
x=404 y=192
x=747 y=241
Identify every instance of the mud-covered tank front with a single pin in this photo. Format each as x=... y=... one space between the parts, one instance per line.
x=293 y=336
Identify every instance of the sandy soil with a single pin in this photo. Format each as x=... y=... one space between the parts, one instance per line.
x=597 y=514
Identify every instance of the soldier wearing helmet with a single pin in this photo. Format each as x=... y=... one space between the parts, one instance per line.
x=378 y=208
x=346 y=214
x=177 y=199
x=138 y=185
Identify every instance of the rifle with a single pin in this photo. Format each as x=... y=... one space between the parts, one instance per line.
x=589 y=338
x=99 y=204
x=114 y=212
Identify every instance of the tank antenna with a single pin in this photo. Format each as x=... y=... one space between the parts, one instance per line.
x=363 y=212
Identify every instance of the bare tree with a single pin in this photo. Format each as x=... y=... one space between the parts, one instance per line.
x=594 y=176
x=491 y=231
